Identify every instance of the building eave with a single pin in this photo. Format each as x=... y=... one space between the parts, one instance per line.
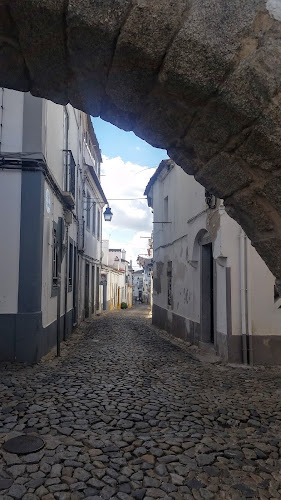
x=165 y=164
x=97 y=183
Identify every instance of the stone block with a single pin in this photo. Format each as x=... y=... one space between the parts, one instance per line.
x=262 y=149
x=272 y=191
x=184 y=157
x=254 y=82
x=110 y=113
x=269 y=250
x=93 y=28
x=214 y=128
x=224 y=175
x=202 y=53
x=161 y=123
x=141 y=47
x=41 y=32
x=14 y=72
x=249 y=210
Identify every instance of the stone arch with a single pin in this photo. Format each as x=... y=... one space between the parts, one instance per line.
x=199 y=79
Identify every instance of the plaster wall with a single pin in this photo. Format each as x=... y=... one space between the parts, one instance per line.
x=111 y=258
x=11 y=117
x=266 y=314
x=54 y=134
x=35 y=125
x=179 y=243
x=230 y=248
x=115 y=280
x=93 y=243
x=49 y=300
x=105 y=252
x=176 y=241
x=10 y=210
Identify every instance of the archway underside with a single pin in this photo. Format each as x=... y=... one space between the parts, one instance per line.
x=196 y=77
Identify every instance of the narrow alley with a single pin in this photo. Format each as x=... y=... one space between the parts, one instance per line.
x=128 y=412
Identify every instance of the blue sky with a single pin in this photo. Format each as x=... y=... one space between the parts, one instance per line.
x=115 y=142
x=128 y=164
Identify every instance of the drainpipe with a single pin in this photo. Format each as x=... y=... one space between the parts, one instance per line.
x=248 y=300
x=243 y=298
x=60 y=239
x=65 y=283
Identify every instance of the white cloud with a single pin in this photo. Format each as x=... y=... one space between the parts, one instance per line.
x=131 y=219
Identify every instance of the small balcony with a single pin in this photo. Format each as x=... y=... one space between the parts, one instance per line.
x=69 y=169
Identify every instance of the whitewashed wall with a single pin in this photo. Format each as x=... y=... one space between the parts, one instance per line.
x=10 y=209
x=11 y=118
x=177 y=242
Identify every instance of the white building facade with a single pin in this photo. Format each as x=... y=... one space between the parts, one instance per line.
x=210 y=284
x=51 y=249
x=116 y=278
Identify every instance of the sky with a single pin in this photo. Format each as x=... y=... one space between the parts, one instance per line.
x=128 y=164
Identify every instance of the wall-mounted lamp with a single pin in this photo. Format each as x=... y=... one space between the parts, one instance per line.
x=211 y=200
x=108 y=214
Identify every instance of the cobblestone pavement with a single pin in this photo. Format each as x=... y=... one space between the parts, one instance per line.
x=129 y=413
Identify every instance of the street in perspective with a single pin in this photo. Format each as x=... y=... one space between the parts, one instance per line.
x=140 y=250
x=130 y=412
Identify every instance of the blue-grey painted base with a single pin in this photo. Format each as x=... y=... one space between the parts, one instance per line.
x=176 y=325
x=266 y=348
x=23 y=338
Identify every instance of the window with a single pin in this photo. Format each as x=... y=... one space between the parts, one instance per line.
x=66 y=147
x=94 y=219
x=88 y=209
x=169 y=279
x=166 y=212
x=99 y=225
x=70 y=265
x=55 y=259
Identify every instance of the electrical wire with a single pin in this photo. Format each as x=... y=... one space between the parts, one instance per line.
x=117 y=199
x=125 y=199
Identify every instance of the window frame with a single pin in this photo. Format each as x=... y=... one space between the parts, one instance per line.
x=88 y=211
x=94 y=217
x=99 y=224
x=70 y=264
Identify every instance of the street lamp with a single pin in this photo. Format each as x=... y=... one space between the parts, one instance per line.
x=108 y=214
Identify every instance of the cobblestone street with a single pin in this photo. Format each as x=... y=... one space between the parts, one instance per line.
x=128 y=412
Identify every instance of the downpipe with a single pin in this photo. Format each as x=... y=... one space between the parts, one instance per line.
x=249 y=301
x=243 y=298
x=65 y=284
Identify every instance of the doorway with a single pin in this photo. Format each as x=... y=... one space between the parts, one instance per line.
x=74 y=286
x=87 y=282
x=207 y=293
x=93 y=289
x=104 y=295
x=97 y=288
